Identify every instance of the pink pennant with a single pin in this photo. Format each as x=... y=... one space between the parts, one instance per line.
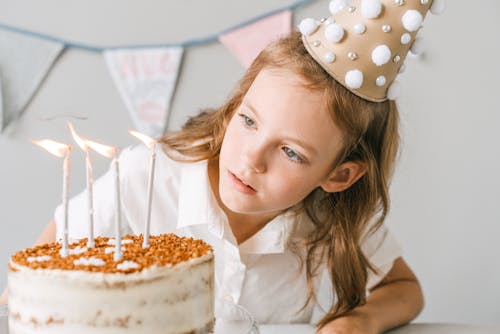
x=246 y=43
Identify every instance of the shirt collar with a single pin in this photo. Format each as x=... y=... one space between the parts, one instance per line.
x=270 y=239
x=277 y=236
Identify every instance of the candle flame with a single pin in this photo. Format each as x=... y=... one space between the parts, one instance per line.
x=79 y=140
x=107 y=151
x=56 y=148
x=150 y=142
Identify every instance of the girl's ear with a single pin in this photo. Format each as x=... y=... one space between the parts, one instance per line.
x=344 y=176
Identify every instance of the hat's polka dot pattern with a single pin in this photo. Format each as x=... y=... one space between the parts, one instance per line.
x=360 y=28
x=329 y=57
x=354 y=79
x=308 y=26
x=381 y=55
x=334 y=32
x=365 y=11
x=371 y=9
x=337 y=5
x=412 y=20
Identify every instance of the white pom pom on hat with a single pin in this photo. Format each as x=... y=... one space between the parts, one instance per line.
x=336 y=6
x=360 y=28
x=308 y=26
x=381 y=55
x=371 y=9
x=405 y=38
x=329 y=57
x=380 y=81
x=354 y=79
x=412 y=20
x=334 y=32
x=437 y=7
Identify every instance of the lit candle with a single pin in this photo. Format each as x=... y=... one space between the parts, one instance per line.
x=112 y=152
x=61 y=150
x=151 y=143
x=90 y=183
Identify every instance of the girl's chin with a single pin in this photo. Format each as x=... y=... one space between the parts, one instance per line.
x=237 y=206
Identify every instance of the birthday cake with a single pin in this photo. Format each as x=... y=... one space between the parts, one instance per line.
x=165 y=288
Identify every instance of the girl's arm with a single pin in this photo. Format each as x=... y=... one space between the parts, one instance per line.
x=48 y=235
x=395 y=301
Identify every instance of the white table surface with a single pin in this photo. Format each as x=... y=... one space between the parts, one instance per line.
x=306 y=329
x=408 y=329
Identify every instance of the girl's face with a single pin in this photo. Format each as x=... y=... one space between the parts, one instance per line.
x=278 y=147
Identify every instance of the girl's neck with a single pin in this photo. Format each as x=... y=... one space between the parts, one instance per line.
x=243 y=226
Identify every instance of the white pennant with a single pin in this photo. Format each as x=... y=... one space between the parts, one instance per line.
x=24 y=63
x=146 y=80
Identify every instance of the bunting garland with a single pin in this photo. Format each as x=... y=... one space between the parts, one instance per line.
x=246 y=43
x=146 y=81
x=145 y=75
x=22 y=70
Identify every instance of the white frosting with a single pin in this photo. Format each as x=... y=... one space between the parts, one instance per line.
x=124 y=241
x=77 y=250
x=127 y=265
x=39 y=258
x=90 y=261
x=169 y=299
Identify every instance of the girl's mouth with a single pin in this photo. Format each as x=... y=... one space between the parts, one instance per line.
x=240 y=185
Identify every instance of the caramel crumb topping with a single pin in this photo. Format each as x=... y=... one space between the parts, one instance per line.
x=51 y=320
x=164 y=250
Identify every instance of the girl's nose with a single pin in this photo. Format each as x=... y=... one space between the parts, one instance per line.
x=254 y=158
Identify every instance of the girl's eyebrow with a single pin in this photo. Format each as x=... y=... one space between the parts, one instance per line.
x=295 y=140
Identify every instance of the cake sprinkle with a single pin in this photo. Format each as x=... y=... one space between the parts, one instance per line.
x=164 y=249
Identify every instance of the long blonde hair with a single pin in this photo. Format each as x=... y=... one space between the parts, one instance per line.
x=370 y=136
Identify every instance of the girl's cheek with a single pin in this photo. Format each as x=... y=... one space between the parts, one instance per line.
x=287 y=183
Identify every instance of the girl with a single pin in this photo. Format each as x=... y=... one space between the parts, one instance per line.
x=288 y=181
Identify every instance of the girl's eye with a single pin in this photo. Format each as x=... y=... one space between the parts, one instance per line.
x=292 y=155
x=247 y=120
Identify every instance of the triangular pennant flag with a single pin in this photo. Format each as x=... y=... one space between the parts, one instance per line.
x=247 y=42
x=146 y=80
x=24 y=63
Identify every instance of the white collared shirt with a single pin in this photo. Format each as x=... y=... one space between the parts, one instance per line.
x=263 y=274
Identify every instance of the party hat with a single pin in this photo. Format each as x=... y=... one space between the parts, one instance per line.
x=364 y=43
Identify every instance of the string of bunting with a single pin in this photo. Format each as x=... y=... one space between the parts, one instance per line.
x=145 y=75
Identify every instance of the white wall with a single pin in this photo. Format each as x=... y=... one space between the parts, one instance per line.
x=446 y=187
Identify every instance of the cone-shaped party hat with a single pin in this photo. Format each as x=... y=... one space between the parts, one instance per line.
x=364 y=43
